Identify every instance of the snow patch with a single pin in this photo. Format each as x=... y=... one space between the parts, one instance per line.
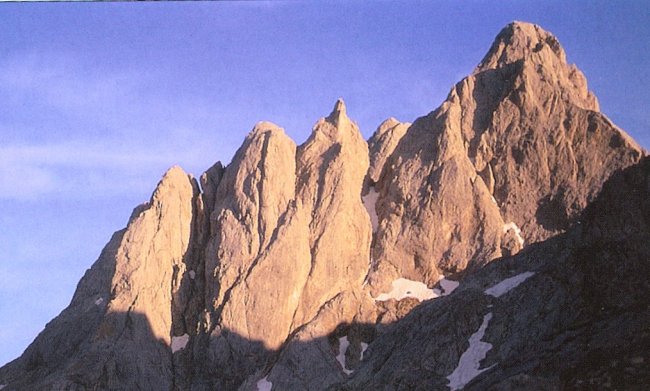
x=343 y=347
x=506 y=285
x=2 y=386
x=97 y=302
x=192 y=274
x=179 y=343
x=403 y=288
x=369 y=201
x=494 y=200
x=470 y=360
x=512 y=226
x=264 y=385
x=364 y=347
x=448 y=286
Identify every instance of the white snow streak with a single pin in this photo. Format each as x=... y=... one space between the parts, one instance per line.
x=448 y=286
x=264 y=385
x=512 y=226
x=403 y=288
x=343 y=347
x=2 y=386
x=97 y=302
x=179 y=343
x=470 y=360
x=192 y=274
x=506 y=285
x=369 y=201
x=364 y=347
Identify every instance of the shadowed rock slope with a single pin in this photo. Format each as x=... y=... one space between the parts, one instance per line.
x=299 y=266
x=575 y=314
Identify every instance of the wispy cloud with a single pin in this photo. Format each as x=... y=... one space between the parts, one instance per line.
x=65 y=83
x=120 y=130
x=81 y=170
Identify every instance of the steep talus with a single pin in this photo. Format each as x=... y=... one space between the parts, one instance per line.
x=334 y=264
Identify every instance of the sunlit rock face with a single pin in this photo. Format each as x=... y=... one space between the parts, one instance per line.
x=121 y=318
x=518 y=141
x=435 y=254
x=382 y=144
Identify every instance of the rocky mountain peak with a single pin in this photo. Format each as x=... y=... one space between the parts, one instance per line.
x=528 y=58
x=386 y=126
x=521 y=41
x=333 y=136
x=520 y=140
x=281 y=268
x=265 y=126
x=336 y=126
x=382 y=144
x=338 y=114
x=173 y=178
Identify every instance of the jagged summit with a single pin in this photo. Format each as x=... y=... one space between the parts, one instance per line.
x=336 y=126
x=382 y=144
x=338 y=113
x=297 y=267
x=532 y=59
x=519 y=41
x=265 y=126
x=520 y=140
x=335 y=129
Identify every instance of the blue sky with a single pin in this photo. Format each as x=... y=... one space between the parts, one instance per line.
x=98 y=100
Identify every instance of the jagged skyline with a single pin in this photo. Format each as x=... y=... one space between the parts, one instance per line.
x=74 y=129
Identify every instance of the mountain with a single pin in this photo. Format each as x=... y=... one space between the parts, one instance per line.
x=571 y=312
x=331 y=264
x=511 y=157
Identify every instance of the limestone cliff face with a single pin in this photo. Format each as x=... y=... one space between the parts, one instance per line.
x=332 y=164
x=289 y=234
x=382 y=145
x=151 y=261
x=535 y=134
x=511 y=157
x=252 y=203
x=256 y=259
x=432 y=194
x=276 y=270
x=119 y=322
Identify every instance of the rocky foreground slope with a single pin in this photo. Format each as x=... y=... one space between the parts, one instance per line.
x=571 y=312
x=302 y=266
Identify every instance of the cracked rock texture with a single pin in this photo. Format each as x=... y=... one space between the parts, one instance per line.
x=267 y=271
x=579 y=322
x=116 y=332
x=520 y=140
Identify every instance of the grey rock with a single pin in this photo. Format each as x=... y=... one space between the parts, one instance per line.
x=566 y=327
